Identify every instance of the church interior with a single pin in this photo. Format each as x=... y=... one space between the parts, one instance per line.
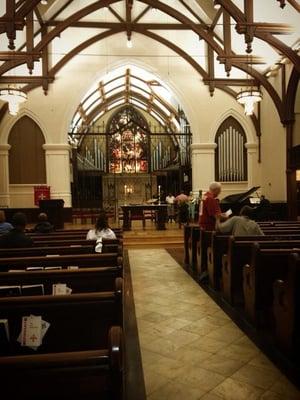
x=150 y=199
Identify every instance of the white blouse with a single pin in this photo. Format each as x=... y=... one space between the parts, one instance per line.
x=103 y=234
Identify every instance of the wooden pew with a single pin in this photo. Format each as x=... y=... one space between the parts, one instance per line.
x=78 y=321
x=265 y=267
x=238 y=254
x=43 y=251
x=83 y=375
x=187 y=229
x=286 y=309
x=80 y=280
x=61 y=248
x=80 y=260
x=218 y=246
x=70 y=235
x=193 y=246
x=81 y=356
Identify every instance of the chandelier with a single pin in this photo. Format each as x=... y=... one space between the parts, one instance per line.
x=248 y=98
x=14 y=97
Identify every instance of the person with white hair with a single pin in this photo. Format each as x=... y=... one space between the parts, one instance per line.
x=211 y=208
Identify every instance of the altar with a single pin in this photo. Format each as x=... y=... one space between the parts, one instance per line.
x=138 y=209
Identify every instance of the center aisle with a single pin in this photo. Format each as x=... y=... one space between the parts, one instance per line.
x=190 y=348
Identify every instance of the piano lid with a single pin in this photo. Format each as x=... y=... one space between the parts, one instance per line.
x=239 y=197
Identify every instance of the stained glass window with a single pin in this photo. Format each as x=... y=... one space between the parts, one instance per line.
x=128 y=142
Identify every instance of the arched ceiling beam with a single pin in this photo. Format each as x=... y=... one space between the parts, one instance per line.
x=132 y=94
x=169 y=11
x=290 y=98
x=240 y=18
x=53 y=71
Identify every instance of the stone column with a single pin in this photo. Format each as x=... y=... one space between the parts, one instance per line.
x=58 y=171
x=252 y=163
x=4 y=176
x=203 y=165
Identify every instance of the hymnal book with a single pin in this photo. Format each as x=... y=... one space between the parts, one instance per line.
x=4 y=333
x=34 y=269
x=60 y=289
x=31 y=334
x=33 y=290
x=43 y=329
x=10 y=291
x=52 y=268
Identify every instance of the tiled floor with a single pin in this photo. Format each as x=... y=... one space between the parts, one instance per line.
x=190 y=348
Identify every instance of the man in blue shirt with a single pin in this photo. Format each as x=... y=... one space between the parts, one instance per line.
x=4 y=226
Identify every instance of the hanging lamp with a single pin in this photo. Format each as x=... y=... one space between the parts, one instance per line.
x=249 y=98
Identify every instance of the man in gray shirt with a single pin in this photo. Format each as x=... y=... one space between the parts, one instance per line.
x=241 y=225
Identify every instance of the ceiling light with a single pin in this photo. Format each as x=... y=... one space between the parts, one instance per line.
x=14 y=97
x=44 y=2
x=129 y=43
x=248 y=98
x=216 y=5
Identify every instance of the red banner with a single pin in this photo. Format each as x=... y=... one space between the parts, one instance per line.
x=41 y=193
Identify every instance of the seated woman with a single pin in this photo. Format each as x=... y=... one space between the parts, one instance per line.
x=102 y=230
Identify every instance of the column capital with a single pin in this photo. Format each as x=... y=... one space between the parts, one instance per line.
x=56 y=147
x=203 y=146
x=251 y=147
x=5 y=147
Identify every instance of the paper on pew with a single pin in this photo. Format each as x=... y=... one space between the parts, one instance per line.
x=16 y=270
x=9 y=291
x=31 y=334
x=52 y=255
x=4 y=331
x=73 y=267
x=52 y=268
x=42 y=329
x=60 y=289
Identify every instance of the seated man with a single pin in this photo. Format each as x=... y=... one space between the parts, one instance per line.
x=16 y=237
x=43 y=226
x=241 y=225
x=4 y=226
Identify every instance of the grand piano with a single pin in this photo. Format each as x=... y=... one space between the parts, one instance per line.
x=274 y=210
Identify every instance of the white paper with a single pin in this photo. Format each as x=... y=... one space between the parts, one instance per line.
x=31 y=331
x=228 y=212
x=60 y=289
x=4 y=322
x=44 y=327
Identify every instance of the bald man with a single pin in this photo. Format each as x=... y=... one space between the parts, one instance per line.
x=211 y=208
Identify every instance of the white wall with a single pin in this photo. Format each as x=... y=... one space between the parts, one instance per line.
x=54 y=112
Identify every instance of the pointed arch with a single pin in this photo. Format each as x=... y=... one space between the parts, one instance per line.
x=26 y=157
x=231 y=152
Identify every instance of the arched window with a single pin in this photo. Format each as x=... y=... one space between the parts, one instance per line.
x=128 y=142
x=26 y=156
x=231 y=152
